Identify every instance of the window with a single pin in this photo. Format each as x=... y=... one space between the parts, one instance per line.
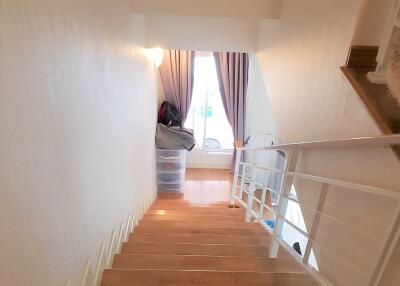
x=206 y=114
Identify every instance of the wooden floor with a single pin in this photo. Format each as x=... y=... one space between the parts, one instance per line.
x=208 y=185
x=195 y=238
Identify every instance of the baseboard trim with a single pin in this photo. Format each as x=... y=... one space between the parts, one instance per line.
x=105 y=259
x=208 y=165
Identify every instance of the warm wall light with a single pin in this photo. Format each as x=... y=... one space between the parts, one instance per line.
x=156 y=55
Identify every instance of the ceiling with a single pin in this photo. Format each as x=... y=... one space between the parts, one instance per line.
x=250 y=9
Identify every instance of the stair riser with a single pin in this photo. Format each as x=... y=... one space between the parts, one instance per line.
x=180 y=262
x=193 y=218
x=195 y=249
x=198 y=211
x=194 y=208
x=185 y=202
x=200 y=224
x=196 y=238
x=195 y=230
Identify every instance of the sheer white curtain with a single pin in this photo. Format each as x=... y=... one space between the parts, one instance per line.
x=206 y=114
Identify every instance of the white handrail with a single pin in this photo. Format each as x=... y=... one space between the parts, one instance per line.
x=377 y=141
x=248 y=185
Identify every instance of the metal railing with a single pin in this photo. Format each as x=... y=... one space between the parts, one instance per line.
x=247 y=182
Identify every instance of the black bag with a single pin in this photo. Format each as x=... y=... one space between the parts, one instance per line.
x=169 y=115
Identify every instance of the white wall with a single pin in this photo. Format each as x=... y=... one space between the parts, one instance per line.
x=209 y=8
x=201 y=33
x=300 y=56
x=260 y=123
x=77 y=123
x=371 y=22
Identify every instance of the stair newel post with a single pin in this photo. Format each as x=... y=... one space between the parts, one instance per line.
x=252 y=189
x=284 y=191
x=236 y=175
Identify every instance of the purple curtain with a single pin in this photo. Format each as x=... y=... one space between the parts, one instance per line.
x=233 y=74
x=177 y=71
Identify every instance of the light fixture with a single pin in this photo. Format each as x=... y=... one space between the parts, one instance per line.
x=156 y=55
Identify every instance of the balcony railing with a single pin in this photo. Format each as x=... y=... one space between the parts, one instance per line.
x=267 y=192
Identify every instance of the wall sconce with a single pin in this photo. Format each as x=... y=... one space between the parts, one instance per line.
x=156 y=55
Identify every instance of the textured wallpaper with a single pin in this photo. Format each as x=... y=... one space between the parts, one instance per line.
x=77 y=122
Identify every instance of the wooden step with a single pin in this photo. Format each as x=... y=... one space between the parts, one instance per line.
x=170 y=196
x=161 y=205
x=192 y=207
x=187 y=202
x=198 y=211
x=199 y=230
x=195 y=262
x=195 y=249
x=261 y=239
x=172 y=217
x=202 y=224
x=188 y=205
x=121 y=277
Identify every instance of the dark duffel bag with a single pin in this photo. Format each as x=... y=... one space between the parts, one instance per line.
x=169 y=115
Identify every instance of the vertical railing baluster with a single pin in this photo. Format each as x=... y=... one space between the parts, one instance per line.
x=261 y=209
x=316 y=220
x=284 y=190
x=264 y=192
x=252 y=189
x=242 y=180
x=236 y=176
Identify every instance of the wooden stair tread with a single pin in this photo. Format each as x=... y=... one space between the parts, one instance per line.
x=204 y=217
x=120 y=277
x=191 y=205
x=261 y=239
x=202 y=224
x=199 y=230
x=197 y=262
x=183 y=202
x=198 y=211
x=195 y=249
x=227 y=207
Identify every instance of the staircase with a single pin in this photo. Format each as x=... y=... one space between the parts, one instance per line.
x=179 y=243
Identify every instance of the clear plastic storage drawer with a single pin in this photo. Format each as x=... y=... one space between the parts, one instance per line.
x=171 y=169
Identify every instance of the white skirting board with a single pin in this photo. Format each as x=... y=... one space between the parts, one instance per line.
x=210 y=160
x=92 y=276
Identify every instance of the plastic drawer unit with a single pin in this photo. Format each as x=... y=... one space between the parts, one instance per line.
x=171 y=168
